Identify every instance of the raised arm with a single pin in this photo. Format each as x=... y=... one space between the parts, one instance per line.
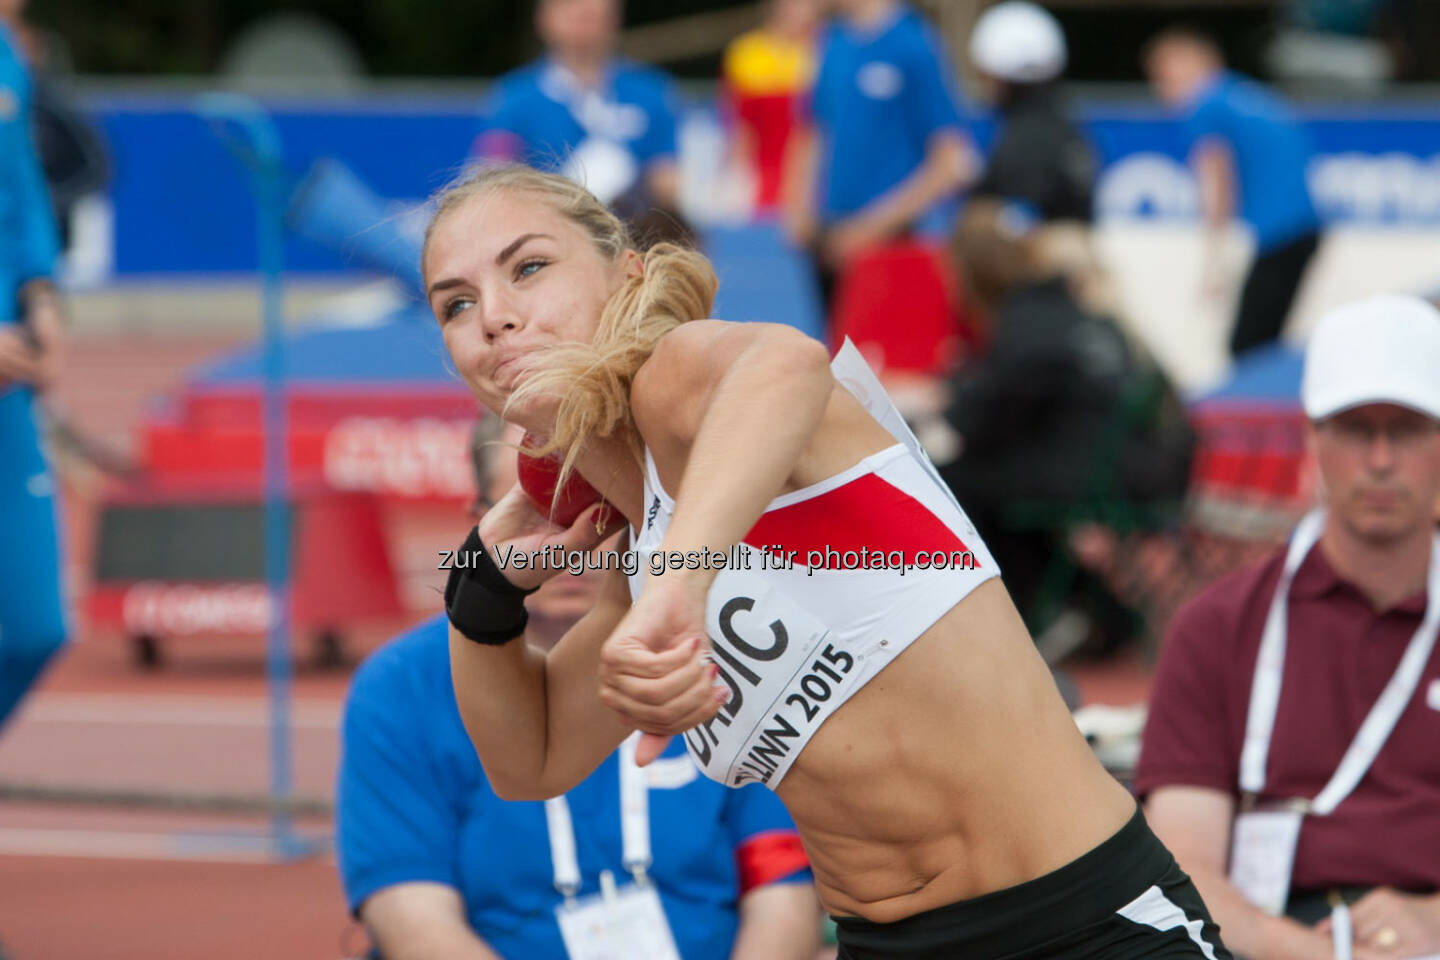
x=743 y=403
x=536 y=722
x=739 y=405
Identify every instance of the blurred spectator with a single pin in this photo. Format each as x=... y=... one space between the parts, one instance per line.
x=765 y=74
x=32 y=615
x=1308 y=764
x=1039 y=156
x=1061 y=413
x=593 y=116
x=72 y=153
x=887 y=147
x=1250 y=154
x=438 y=867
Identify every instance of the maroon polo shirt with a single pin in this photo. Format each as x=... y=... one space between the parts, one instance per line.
x=1339 y=655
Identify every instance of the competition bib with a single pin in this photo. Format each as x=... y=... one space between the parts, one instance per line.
x=786 y=675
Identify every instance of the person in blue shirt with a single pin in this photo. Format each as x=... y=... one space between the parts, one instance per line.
x=581 y=110
x=32 y=620
x=1250 y=152
x=887 y=145
x=437 y=866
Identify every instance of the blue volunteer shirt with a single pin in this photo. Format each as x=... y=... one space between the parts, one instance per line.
x=1271 y=152
x=880 y=94
x=413 y=805
x=28 y=242
x=539 y=114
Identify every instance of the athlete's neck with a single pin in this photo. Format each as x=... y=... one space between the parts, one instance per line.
x=586 y=64
x=871 y=13
x=1387 y=573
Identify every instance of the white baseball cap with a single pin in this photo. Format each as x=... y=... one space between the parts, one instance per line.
x=1019 y=42
x=1385 y=349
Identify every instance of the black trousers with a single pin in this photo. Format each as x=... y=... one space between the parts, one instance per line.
x=1125 y=899
x=1269 y=293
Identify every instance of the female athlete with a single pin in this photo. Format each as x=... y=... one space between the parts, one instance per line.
x=810 y=610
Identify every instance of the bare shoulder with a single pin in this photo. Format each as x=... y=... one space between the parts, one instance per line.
x=673 y=386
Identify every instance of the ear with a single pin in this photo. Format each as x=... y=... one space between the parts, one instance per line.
x=1312 y=456
x=634 y=264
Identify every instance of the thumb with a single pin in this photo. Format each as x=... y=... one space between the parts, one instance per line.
x=588 y=530
x=649 y=746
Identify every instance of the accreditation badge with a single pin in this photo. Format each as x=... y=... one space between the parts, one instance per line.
x=620 y=924
x=1262 y=856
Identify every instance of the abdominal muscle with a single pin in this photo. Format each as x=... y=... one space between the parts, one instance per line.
x=956 y=771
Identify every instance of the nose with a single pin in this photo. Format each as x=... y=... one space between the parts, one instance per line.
x=499 y=316
x=1381 y=455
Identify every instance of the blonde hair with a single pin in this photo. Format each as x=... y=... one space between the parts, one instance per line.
x=593 y=379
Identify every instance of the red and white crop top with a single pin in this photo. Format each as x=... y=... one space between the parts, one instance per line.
x=828 y=587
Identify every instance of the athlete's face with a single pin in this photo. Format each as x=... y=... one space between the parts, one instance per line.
x=507 y=274
x=1381 y=467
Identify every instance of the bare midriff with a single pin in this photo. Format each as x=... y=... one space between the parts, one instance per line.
x=955 y=772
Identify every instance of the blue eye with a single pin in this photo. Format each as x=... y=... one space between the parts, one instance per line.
x=525 y=269
x=455 y=306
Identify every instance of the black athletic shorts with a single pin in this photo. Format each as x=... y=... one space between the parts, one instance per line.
x=1125 y=899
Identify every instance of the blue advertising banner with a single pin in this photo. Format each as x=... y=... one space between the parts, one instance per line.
x=179 y=204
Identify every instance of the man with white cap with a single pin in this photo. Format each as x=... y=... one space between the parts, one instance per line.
x=1290 y=757
x=1040 y=157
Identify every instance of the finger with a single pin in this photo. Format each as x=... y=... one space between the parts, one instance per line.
x=629 y=656
x=648 y=747
x=1371 y=912
x=696 y=704
x=692 y=704
x=662 y=690
x=1373 y=953
x=588 y=530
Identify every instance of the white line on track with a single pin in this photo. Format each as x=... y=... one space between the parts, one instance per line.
x=135 y=845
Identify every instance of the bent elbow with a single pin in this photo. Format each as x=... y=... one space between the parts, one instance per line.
x=799 y=353
x=517 y=791
x=521 y=787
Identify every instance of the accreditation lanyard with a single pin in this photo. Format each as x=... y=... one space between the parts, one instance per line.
x=634 y=827
x=1264 y=842
x=595 y=109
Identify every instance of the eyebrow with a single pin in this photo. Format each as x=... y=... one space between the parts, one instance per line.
x=500 y=259
x=516 y=244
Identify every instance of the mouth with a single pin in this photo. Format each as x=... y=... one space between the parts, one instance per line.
x=1380 y=499
x=506 y=372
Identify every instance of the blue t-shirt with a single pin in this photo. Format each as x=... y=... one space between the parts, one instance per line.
x=1271 y=150
x=546 y=115
x=879 y=96
x=28 y=241
x=413 y=805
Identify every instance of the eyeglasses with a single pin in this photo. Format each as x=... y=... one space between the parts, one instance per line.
x=1401 y=433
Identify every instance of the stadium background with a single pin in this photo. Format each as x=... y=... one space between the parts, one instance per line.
x=133 y=801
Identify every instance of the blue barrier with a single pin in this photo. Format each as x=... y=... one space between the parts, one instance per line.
x=181 y=207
